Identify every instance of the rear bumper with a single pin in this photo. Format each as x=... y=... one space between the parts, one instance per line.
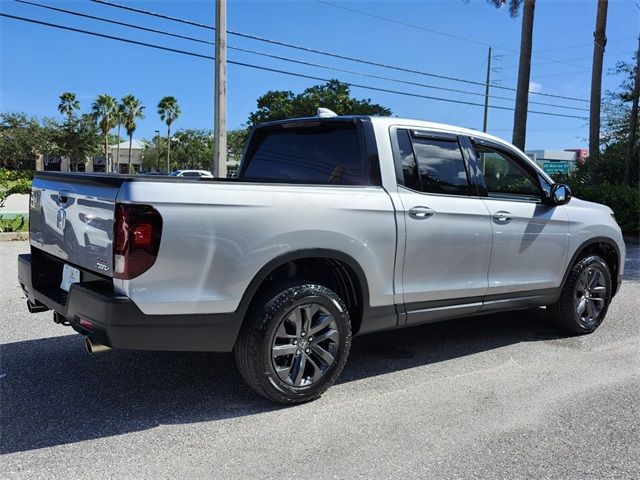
x=118 y=323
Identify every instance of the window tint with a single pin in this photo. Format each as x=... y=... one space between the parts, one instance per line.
x=408 y=159
x=504 y=176
x=441 y=166
x=318 y=154
x=191 y=174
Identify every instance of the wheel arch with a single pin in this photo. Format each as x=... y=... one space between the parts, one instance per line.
x=602 y=246
x=333 y=269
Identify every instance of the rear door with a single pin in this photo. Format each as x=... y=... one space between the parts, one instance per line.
x=447 y=227
x=530 y=236
x=71 y=217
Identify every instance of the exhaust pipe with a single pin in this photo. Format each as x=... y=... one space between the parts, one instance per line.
x=36 y=307
x=95 y=347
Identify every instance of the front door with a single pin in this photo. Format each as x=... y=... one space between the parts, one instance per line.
x=530 y=236
x=447 y=228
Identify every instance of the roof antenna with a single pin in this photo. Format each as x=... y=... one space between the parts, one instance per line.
x=325 y=113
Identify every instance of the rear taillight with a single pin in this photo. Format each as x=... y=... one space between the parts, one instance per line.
x=136 y=239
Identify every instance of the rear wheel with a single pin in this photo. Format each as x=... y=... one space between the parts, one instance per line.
x=295 y=343
x=585 y=298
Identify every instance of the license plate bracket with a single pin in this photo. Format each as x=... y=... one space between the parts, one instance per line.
x=70 y=275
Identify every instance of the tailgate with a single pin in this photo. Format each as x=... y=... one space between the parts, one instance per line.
x=71 y=217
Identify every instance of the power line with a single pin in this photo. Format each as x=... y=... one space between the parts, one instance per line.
x=573 y=59
x=258 y=67
x=321 y=52
x=287 y=59
x=114 y=22
x=410 y=25
x=569 y=47
x=419 y=27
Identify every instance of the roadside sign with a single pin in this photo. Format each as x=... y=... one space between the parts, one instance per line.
x=556 y=167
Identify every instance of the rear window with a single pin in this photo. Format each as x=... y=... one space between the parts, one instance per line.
x=324 y=154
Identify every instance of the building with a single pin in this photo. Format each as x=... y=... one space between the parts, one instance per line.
x=558 y=161
x=120 y=156
x=97 y=163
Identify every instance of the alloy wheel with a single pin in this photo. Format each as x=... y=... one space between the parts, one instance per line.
x=305 y=345
x=590 y=295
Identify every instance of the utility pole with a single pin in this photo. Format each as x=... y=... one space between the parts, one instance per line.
x=486 y=94
x=220 y=95
x=599 y=42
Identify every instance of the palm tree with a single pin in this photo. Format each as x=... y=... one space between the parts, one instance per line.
x=524 y=66
x=633 y=121
x=132 y=110
x=68 y=105
x=169 y=110
x=119 y=116
x=104 y=110
x=599 y=42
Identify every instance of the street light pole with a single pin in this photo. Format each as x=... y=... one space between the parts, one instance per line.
x=157 y=132
x=220 y=94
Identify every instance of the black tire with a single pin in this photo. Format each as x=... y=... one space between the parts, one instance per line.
x=565 y=312
x=277 y=313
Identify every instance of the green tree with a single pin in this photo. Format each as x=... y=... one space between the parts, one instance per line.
x=76 y=139
x=132 y=110
x=335 y=95
x=524 y=65
x=236 y=140
x=152 y=159
x=169 y=111
x=21 y=139
x=192 y=149
x=68 y=105
x=104 y=109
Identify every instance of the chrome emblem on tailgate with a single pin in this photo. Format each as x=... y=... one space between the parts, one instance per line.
x=61 y=218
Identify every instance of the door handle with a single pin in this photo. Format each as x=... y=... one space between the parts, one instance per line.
x=420 y=213
x=502 y=217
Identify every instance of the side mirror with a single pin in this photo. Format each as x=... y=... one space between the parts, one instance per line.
x=560 y=194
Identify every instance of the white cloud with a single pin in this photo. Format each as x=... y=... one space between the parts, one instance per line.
x=534 y=87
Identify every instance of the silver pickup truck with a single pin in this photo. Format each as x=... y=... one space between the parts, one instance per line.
x=334 y=227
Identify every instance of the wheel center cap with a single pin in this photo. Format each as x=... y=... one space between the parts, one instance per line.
x=303 y=342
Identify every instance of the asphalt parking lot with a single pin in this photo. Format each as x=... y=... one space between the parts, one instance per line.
x=500 y=396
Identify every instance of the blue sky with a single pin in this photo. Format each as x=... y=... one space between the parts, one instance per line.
x=38 y=63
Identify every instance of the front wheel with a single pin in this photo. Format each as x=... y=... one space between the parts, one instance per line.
x=294 y=343
x=585 y=298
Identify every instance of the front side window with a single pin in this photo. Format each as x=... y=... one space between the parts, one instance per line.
x=504 y=176
x=440 y=166
x=327 y=154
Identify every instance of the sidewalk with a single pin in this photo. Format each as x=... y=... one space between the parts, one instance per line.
x=16 y=203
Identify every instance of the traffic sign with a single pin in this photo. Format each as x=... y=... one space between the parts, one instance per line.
x=556 y=167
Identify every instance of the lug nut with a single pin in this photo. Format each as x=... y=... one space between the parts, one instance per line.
x=295 y=342
x=310 y=339
x=307 y=350
x=302 y=334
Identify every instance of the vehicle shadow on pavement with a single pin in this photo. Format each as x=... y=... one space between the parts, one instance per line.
x=53 y=393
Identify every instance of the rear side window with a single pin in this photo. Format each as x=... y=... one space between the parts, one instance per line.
x=431 y=165
x=324 y=154
x=441 y=166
